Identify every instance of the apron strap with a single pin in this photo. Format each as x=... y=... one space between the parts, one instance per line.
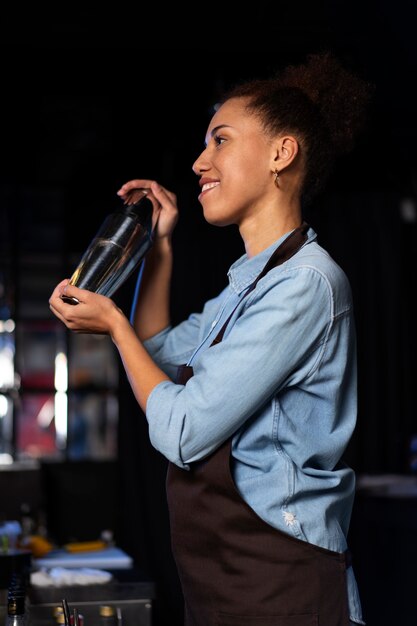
x=285 y=250
x=282 y=253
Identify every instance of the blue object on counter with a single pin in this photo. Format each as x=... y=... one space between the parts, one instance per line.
x=109 y=558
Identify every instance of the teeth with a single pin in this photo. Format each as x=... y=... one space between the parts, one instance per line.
x=208 y=186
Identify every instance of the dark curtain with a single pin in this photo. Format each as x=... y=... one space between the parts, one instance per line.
x=373 y=237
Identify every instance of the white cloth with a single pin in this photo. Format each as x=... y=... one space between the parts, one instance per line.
x=62 y=577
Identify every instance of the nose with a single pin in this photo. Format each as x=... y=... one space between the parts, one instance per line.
x=200 y=165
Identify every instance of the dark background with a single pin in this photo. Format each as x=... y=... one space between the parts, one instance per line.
x=94 y=97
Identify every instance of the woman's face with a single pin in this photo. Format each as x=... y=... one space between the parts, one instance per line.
x=235 y=167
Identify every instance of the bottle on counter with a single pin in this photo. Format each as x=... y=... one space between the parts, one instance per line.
x=108 y=616
x=16 y=609
x=17 y=600
x=59 y=615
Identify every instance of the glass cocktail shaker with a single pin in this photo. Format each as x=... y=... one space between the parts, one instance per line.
x=117 y=249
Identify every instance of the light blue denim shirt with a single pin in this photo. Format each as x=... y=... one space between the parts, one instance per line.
x=283 y=382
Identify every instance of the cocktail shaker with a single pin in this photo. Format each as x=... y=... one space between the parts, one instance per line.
x=117 y=249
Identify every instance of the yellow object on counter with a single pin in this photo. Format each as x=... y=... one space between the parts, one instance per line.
x=38 y=545
x=85 y=546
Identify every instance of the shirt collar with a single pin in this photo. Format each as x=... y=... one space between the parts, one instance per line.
x=244 y=270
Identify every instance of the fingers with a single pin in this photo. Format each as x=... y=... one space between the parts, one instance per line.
x=65 y=294
x=56 y=303
x=126 y=190
x=91 y=314
x=165 y=214
x=163 y=195
x=160 y=193
x=57 y=292
x=74 y=293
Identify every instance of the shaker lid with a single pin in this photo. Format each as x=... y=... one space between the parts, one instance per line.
x=141 y=207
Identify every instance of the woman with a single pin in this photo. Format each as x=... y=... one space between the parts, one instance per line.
x=256 y=423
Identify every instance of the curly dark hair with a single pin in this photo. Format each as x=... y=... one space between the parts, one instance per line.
x=322 y=103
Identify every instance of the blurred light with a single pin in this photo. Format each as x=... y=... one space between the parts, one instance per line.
x=61 y=372
x=61 y=400
x=408 y=210
x=3 y=406
x=7 y=326
x=61 y=419
x=6 y=367
x=6 y=459
x=46 y=414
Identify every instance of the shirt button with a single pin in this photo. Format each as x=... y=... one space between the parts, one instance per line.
x=289 y=518
x=213 y=323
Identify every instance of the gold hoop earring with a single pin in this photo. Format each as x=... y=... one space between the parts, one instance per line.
x=276 y=179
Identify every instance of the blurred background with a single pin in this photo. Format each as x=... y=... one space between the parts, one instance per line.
x=92 y=100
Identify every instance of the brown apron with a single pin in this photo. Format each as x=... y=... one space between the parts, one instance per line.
x=235 y=569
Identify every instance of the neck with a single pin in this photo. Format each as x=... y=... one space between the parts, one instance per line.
x=261 y=232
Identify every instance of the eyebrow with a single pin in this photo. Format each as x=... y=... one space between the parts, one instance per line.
x=217 y=128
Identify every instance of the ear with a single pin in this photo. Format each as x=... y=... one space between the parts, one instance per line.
x=284 y=153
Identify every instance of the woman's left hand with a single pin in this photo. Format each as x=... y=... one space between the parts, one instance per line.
x=94 y=313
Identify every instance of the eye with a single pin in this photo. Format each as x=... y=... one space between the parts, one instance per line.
x=218 y=139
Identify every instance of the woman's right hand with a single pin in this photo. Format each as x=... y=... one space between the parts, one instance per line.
x=164 y=203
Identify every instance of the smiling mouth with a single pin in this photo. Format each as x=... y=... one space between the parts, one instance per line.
x=208 y=186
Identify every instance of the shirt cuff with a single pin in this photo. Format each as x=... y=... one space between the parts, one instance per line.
x=155 y=343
